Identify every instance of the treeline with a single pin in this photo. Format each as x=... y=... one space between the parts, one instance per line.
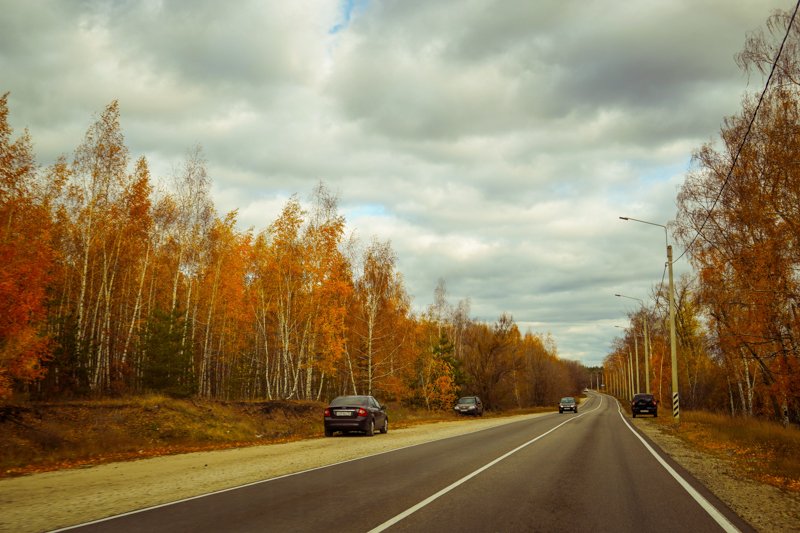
x=110 y=285
x=739 y=220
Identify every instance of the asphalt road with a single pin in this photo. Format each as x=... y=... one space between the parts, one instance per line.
x=562 y=472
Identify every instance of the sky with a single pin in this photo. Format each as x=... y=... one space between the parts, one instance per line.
x=494 y=143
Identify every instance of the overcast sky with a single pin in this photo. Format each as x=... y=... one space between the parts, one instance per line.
x=495 y=143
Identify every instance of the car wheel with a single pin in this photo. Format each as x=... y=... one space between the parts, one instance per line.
x=385 y=427
x=655 y=415
x=560 y=411
x=576 y=411
x=371 y=428
x=328 y=433
x=633 y=414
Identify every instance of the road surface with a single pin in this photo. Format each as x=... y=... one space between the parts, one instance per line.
x=588 y=471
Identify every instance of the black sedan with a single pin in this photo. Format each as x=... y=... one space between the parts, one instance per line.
x=355 y=413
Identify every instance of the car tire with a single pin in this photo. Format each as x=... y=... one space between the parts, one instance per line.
x=328 y=433
x=633 y=414
x=371 y=428
x=576 y=411
x=385 y=427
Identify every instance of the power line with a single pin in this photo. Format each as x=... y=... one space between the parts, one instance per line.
x=746 y=133
x=661 y=286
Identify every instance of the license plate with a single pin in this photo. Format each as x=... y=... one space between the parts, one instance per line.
x=344 y=413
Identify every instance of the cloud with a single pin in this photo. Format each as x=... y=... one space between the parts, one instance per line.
x=493 y=143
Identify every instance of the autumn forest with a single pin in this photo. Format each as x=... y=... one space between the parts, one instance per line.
x=113 y=285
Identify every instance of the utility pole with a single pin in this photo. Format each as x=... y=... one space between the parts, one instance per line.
x=636 y=351
x=676 y=404
x=646 y=354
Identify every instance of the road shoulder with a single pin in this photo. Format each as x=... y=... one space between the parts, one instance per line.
x=765 y=507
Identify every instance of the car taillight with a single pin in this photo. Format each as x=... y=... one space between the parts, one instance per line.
x=327 y=412
x=362 y=411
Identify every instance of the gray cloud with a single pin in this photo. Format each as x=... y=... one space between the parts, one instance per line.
x=494 y=143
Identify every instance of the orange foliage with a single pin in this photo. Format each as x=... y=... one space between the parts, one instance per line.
x=26 y=257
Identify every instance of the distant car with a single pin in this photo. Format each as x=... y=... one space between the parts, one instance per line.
x=355 y=413
x=644 y=403
x=469 y=405
x=568 y=403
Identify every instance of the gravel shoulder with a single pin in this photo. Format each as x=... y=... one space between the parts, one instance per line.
x=765 y=507
x=52 y=500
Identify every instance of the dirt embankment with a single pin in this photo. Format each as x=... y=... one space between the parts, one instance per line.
x=49 y=436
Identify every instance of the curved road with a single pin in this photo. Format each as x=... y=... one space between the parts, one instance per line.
x=559 y=472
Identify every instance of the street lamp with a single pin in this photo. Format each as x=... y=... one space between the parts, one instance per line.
x=676 y=406
x=630 y=371
x=646 y=345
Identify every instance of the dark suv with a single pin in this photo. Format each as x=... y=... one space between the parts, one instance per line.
x=568 y=403
x=644 y=403
x=469 y=405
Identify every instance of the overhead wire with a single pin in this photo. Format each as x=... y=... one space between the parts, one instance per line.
x=661 y=286
x=746 y=133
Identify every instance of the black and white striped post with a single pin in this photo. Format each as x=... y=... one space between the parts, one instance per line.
x=676 y=403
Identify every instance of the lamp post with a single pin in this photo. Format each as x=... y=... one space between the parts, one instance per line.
x=594 y=380
x=629 y=388
x=636 y=361
x=646 y=344
x=676 y=406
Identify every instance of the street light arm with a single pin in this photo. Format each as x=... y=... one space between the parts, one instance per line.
x=643 y=221
x=666 y=241
x=630 y=298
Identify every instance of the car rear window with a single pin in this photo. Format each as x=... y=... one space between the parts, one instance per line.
x=350 y=400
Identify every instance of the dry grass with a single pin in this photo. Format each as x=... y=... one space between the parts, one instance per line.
x=764 y=451
x=49 y=436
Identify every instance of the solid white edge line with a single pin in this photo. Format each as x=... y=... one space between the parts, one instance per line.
x=411 y=510
x=712 y=511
